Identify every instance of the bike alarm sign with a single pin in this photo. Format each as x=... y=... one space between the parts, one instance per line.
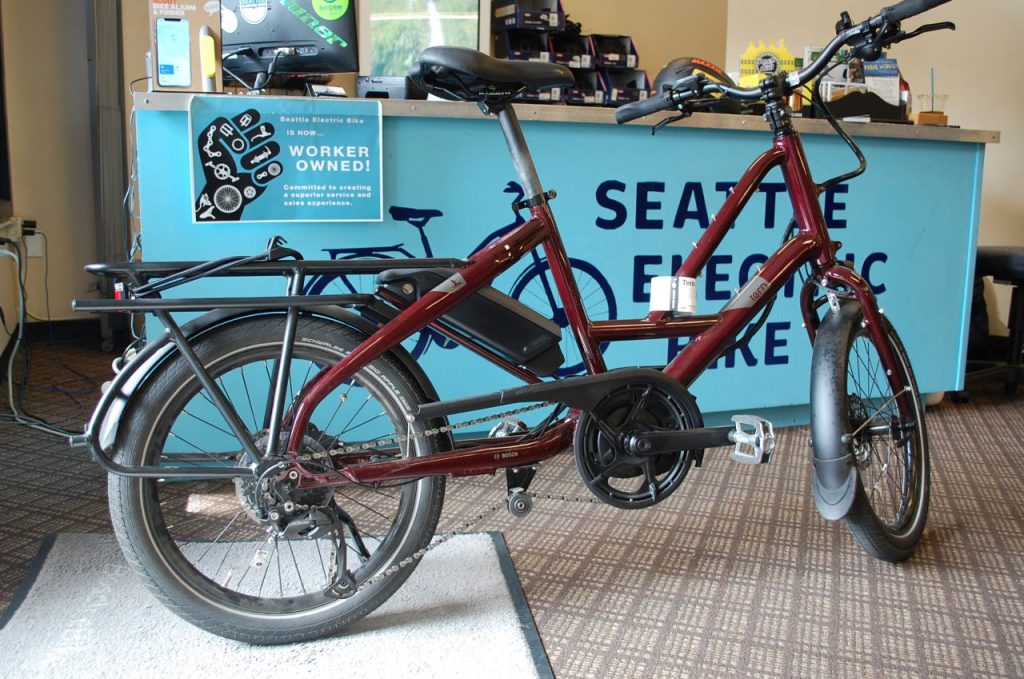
x=285 y=160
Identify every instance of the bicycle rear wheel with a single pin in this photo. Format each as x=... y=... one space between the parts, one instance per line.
x=886 y=439
x=206 y=547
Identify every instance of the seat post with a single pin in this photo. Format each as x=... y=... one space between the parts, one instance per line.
x=520 y=153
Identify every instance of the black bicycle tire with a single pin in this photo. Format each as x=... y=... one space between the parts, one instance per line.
x=148 y=551
x=830 y=391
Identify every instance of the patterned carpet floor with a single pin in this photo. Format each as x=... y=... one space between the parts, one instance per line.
x=734 y=575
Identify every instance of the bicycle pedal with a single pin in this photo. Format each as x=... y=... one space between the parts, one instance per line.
x=754 y=438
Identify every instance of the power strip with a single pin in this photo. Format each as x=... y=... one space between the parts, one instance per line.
x=17 y=228
x=11 y=229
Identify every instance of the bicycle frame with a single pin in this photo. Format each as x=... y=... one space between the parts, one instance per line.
x=710 y=333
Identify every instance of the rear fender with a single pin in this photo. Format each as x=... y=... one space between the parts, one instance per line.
x=118 y=393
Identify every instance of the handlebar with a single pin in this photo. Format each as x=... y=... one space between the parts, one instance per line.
x=908 y=8
x=880 y=30
x=639 y=109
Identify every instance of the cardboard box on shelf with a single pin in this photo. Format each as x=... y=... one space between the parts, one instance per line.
x=615 y=51
x=882 y=77
x=542 y=15
x=572 y=50
x=522 y=46
x=623 y=87
x=552 y=96
x=588 y=91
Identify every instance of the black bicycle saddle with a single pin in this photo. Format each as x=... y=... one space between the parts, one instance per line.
x=461 y=74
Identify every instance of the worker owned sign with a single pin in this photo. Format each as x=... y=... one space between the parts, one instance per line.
x=285 y=160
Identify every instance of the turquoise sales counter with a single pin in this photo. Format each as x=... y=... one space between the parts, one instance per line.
x=629 y=207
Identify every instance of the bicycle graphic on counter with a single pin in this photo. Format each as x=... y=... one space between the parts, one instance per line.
x=532 y=287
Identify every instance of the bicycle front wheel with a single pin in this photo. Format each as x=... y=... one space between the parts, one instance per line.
x=206 y=548
x=884 y=433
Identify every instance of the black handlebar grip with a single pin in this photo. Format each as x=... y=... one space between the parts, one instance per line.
x=909 y=8
x=638 y=109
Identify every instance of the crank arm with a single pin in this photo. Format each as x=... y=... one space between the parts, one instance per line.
x=754 y=438
x=658 y=442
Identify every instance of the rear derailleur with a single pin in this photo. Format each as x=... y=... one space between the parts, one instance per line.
x=289 y=513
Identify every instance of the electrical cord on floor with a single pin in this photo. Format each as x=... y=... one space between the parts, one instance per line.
x=22 y=417
x=90 y=382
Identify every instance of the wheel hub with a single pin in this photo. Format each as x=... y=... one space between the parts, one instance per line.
x=269 y=495
x=861 y=446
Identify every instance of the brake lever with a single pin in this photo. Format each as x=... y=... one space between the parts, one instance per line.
x=695 y=84
x=683 y=115
x=927 y=28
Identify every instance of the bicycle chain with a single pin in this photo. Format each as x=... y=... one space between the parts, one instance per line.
x=466 y=525
x=462 y=530
x=399 y=439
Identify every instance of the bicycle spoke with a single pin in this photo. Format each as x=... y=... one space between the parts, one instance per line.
x=172 y=456
x=248 y=398
x=219 y=536
x=365 y=506
x=209 y=424
x=266 y=567
x=223 y=560
x=298 y=571
x=363 y=423
x=344 y=429
x=280 y=578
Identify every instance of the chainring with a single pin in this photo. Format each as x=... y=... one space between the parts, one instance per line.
x=609 y=470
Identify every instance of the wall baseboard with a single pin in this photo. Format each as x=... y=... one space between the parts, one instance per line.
x=78 y=330
x=72 y=331
x=81 y=330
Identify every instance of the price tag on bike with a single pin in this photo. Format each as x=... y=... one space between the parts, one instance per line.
x=285 y=160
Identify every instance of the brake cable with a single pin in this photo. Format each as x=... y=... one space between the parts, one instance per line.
x=819 y=105
x=791 y=229
x=752 y=330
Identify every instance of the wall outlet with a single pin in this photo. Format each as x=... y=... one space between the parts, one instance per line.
x=34 y=245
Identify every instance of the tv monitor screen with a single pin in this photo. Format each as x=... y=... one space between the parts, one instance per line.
x=295 y=36
x=393 y=32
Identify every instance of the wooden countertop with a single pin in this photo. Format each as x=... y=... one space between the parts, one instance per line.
x=174 y=101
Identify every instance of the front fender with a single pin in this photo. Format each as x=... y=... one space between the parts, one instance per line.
x=835 y=476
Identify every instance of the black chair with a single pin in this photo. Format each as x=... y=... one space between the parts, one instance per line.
x=1006 y=265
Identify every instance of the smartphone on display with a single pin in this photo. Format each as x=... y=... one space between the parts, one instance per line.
x=173 y=53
